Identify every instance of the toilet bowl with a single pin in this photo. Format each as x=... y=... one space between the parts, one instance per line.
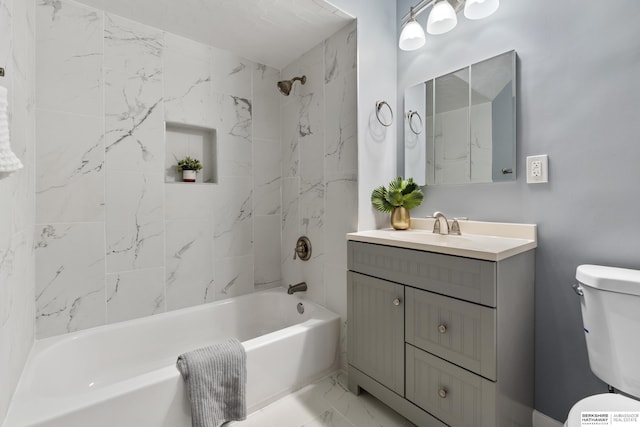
x=610 y=305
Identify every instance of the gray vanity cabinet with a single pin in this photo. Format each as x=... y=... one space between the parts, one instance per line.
x=444 y=340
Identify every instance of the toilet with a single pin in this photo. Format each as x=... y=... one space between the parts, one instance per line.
x=610 y=303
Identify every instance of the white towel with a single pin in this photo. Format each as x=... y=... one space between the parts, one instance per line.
x=8 y=160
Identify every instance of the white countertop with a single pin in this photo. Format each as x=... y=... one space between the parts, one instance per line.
x=491 y=241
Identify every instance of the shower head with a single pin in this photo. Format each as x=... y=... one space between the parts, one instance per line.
x=285 y=85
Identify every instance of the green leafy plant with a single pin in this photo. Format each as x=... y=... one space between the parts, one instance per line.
x=189 y=164
x=401 y=192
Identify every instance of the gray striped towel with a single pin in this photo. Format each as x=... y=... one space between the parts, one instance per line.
x=216 y=379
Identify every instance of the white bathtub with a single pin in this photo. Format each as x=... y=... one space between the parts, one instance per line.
x=124 y=374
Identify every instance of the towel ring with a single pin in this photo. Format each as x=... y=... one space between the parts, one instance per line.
x=410 y=115
x=379 y=105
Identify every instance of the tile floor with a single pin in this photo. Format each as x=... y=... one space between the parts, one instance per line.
x=325 y=403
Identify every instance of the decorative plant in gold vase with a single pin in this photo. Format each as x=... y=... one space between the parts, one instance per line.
x=399 y=199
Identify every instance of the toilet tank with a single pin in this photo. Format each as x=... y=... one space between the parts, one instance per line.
x=611 y=318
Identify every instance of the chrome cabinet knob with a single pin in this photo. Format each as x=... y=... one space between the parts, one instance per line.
x=396 y=301
x=442 y=328
x=442 y=393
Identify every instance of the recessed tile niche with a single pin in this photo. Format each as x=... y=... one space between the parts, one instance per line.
x=195 y=141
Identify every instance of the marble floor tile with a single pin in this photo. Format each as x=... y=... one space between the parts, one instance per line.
x=325 y=403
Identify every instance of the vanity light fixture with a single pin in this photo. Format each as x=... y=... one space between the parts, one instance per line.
x=412 y=35
x=479 y=9
x=442 y=18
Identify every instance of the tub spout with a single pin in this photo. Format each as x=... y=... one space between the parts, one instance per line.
x=298 y=287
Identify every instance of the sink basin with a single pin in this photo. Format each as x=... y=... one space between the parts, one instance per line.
x=427 y=237
x=482 y=240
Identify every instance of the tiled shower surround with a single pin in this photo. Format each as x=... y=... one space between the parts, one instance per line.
x=113 y=240
x=17 y=194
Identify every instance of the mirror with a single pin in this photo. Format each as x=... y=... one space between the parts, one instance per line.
x=415 y=155
x=460 y=128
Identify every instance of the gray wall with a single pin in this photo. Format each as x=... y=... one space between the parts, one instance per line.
x=579 y=102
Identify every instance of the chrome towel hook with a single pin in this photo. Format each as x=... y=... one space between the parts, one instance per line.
x=379 y=106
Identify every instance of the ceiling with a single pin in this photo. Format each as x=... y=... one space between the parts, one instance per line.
x=271 y=32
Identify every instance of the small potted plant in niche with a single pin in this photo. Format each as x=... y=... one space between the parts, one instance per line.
x=399 y=199
x=189 y=168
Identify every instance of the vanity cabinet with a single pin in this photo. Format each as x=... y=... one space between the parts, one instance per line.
x=444 y=340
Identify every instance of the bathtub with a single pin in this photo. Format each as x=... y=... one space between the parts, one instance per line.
x=124 y=374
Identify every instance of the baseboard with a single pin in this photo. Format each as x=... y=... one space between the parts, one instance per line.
x=541 y=420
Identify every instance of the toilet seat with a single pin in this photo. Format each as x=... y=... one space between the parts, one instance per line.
x=601 y=402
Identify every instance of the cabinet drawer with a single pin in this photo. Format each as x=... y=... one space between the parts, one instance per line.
x=450 y=393
x=464 y=278
x=459 y=331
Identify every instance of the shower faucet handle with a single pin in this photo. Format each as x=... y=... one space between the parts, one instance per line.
x=302 y=249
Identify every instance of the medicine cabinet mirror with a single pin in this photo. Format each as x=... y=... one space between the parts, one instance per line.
x=461 y=127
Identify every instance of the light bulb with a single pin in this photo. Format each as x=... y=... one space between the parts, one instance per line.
x=478 y=9
x=412 y=36
x=442 y=18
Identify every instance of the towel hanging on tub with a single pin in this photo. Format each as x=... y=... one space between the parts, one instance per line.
x=215 y=378
x=8 y=160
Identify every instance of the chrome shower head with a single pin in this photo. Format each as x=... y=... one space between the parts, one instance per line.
x=285 y=85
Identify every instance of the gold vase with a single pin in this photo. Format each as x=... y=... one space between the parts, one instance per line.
x=400 y=219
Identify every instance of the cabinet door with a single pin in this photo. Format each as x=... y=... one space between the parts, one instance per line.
x=376 y=329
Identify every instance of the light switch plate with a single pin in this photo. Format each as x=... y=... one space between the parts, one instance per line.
x=537 y=169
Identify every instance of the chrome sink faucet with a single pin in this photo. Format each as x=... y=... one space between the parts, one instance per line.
x=298 y=287
x=441 y=226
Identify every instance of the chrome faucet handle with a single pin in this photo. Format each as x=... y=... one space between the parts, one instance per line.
x=302 y=249
x=455 y=227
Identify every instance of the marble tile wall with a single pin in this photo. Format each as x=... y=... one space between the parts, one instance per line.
x=17 y=197
x=114 y=238
x=319 y=169
x=70 y=169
